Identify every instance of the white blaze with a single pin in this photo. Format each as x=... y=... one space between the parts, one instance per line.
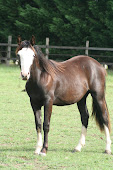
x=26 y=60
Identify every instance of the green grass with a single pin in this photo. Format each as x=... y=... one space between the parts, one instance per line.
x=18 y=136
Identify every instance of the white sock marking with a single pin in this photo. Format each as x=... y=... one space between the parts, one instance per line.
x=39 y=143
x=108 y=140
x=82 y=139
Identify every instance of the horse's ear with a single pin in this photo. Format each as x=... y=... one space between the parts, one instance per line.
x=32 y=41
x=19 y=40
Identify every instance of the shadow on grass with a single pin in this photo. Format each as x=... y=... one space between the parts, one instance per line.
x=25 y=149
x=17 y=149
x=72 y=151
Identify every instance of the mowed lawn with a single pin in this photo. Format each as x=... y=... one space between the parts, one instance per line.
x=18 y=136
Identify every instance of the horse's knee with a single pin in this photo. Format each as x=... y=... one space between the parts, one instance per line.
x=38 y=120
x=38 y=127
x=45 y=127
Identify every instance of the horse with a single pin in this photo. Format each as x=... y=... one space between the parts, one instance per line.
x=63 y=83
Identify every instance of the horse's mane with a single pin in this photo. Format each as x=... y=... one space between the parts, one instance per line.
x=49 y=66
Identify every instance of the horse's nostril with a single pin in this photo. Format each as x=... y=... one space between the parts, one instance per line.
x=22 y=75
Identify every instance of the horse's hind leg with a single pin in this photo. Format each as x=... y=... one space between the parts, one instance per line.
x=84 y=119
x=101 y=114
x=108 y=140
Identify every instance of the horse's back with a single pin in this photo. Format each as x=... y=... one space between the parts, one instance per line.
x=85 y=65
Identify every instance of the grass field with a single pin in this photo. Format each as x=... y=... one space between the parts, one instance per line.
x=18 y=136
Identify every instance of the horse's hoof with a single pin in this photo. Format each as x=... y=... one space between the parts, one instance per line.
x=42 y=154
x=37 y=153
x=108 y=152
x=38 y=150
x=76 y=150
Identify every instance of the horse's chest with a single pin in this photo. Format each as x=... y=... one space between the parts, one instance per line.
x=35 y=91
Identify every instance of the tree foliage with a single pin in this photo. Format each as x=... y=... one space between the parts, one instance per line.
x=64 y=22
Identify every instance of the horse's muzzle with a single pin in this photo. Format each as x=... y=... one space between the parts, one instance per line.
x=25 y=76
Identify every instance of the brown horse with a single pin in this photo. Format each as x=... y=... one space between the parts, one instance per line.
x=63 y=83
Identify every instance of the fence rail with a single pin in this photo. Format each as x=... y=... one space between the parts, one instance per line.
x=86 y=49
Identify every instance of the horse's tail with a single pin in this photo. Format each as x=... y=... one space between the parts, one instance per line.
x=102 y=118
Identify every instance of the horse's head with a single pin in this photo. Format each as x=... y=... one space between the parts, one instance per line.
x=26 y=55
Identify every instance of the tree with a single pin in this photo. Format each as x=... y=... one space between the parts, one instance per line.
x=64 y=22
x=8 y=13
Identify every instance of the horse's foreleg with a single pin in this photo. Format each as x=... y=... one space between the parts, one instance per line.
x=39 y=142
x=84 y=119
x=46 y=125
x=37 y=114
x=38 y=129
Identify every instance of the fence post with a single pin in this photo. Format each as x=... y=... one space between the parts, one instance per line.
x=9 y=49
x=87 y=45
x=47 y=49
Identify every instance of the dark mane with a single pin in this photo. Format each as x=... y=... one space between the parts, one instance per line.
x=50 y=66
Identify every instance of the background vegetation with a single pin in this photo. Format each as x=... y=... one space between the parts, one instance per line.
x=18 y=135
x=64 y=22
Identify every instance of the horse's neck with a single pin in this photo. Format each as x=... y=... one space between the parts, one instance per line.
x=38 y=74
x=35 y=71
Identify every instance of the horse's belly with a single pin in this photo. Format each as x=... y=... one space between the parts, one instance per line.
x=62 y=103
x=66 y=93
x=68 y=99
x=70 y=92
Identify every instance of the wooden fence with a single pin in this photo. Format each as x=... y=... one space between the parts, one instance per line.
x=86 y=49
